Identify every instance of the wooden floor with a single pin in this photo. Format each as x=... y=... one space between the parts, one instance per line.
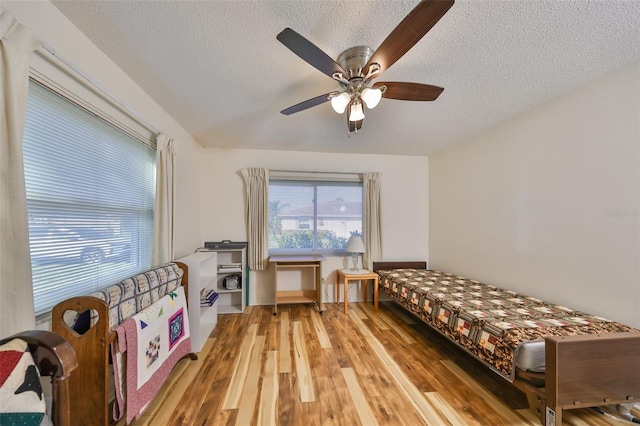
x=303 y=368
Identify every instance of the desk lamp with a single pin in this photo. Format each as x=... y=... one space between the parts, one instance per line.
x=355 y=246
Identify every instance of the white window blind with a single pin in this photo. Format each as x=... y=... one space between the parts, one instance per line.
x=318 y=214
x=90 y=198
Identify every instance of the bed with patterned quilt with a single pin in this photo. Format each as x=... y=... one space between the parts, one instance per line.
x=589 y=360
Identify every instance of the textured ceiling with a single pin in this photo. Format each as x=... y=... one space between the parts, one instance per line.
x=218 y=69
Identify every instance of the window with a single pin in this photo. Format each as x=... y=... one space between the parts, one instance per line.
x=90 y=199
x=304 y=224
x=312 y=215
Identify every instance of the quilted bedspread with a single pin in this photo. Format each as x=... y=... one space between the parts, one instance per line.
x=489 y=322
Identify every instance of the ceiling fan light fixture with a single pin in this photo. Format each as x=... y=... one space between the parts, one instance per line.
x=371 y=97
x=355 y=112
x=350 y=67
x=339 y=103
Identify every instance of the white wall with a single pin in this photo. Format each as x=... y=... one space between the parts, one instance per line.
x=56 y=31
x=547 y=203
x=403 y=193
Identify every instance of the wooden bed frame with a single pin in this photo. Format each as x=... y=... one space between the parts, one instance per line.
x=581 y=371
x=54 y=357
x=89 y=387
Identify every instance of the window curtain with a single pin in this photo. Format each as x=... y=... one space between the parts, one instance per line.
x=163 y=229
x=16 y=289
x=372 y=227
x=256 y=210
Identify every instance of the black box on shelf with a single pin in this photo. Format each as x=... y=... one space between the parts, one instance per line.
x=225 y=244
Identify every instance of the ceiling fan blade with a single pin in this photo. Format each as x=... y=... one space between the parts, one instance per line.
x=409 y=91
x=408 y=32
x=309 y=52
x=309 y=103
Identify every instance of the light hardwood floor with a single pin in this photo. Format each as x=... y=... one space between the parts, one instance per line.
x=303 y=368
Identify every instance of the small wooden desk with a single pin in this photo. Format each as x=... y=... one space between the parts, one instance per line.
x=298 y=296
x=346 y=277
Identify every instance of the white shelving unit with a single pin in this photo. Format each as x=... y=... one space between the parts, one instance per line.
x=230 y=301
x=203 y=267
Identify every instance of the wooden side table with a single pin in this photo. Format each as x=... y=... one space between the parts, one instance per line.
x=345 y=275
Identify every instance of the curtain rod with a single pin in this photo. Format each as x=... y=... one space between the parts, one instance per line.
x=104 y=91
x=320 y=173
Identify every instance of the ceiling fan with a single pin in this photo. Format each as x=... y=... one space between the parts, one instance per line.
x=356 y=67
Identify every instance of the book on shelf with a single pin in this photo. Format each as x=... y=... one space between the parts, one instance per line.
x=208 y=297
x=230 y=266
x=207 y=303
x=207 y=294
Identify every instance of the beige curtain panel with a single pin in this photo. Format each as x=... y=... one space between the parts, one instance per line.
x=163 y=228
x=372 y=226
x=16 y=288
x=256 y=210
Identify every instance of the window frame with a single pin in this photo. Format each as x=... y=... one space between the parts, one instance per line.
x=315 y=180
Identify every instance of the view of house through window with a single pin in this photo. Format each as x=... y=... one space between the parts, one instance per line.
x=90 y=199
x=313 y=216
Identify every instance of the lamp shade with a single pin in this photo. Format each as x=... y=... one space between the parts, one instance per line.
x=339 y=103
x=371 y=97
x=356 y=113
x=355 y=244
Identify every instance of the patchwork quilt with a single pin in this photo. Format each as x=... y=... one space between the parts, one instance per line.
x=489 y=322
x=136 y=293
x=21 y=397
x=150 y=343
